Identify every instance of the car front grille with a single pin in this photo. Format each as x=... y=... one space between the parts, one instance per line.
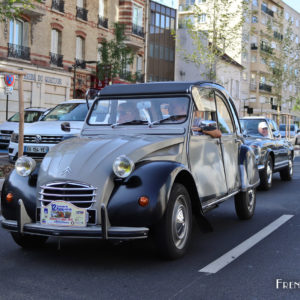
x=43 y=139
x=79 y=194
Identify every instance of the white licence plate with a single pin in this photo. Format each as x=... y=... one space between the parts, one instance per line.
x=4 y=137
x=63 y=213
x=36 y=149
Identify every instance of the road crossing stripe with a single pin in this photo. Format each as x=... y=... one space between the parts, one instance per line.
x=233 y=254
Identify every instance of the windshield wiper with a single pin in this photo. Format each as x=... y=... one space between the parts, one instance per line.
x=172 y=118
x=132 y=122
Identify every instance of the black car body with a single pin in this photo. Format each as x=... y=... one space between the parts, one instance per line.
x=273 y=153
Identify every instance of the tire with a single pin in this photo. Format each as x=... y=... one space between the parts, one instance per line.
x=29 y=241
x=266 y=175
x=245 y=204
x=173 y=233
x=287 y=173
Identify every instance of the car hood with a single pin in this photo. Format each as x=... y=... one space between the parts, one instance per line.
x=252 y=139
x=52 y=127
x=13 y=126
x=89 y=160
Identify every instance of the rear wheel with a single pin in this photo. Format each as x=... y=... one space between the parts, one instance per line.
x=29 y=241
x=245 y=204
x=287 y=173
x=266 y=175
x=173 y=233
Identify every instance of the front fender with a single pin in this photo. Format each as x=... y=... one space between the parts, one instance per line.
x=248 y=168
x=22 y=188
x=151 y=179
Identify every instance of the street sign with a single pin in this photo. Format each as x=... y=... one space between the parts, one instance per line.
x=9 y=80
x=9 y=90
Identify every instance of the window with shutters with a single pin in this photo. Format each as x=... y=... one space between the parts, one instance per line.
x=79 y=48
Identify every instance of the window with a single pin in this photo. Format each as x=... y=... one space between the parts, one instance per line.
x=224 y=119
x=297 y=22
x=137 y=17
x=253 y=58
x=99 y=56
x=79 y=48
x=102 y=8
x=55 y=41
x=254 y=19
x=202 y=18
x=254 y=3
x=80 y=3
x=139 y=60
x=18 y=32
x=287 y=16
x=244 y=75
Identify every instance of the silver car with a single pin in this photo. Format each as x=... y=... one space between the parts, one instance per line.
x=149 y=157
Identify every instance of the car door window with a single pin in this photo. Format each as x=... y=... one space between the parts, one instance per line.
x=224 y=119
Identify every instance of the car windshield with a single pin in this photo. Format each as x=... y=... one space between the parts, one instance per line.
x=140 y=111
x=67 y=112
x=285 y=127
x=255 y=127
x=29 y=116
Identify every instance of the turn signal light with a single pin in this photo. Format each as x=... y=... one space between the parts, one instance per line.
x=9 y=197
x=143 y=201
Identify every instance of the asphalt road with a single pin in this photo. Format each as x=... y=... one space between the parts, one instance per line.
x=89 y=269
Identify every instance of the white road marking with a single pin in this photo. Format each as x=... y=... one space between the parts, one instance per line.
x=233 y=254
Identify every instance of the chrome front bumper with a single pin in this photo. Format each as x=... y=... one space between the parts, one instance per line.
x=24 y=225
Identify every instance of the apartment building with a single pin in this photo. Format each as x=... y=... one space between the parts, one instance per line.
x=263 y=28
x=57 y=43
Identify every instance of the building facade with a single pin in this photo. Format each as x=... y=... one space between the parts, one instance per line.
x=57 y=43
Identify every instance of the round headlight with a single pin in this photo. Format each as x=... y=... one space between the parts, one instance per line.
x=123 y=166
x=25 y=165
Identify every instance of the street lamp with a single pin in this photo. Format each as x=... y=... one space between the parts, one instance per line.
x=77 y=64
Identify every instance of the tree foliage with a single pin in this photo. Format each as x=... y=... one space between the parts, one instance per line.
x=216 y=28
x=115 y=56
x=13 y=8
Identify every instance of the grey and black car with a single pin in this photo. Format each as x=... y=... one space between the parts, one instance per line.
x=149 y=157
x=273 y=153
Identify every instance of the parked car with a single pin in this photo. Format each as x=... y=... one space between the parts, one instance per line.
x=41 y=136
x=127 y=176
x=273 y=154
x=31 y=114
x=292 y=133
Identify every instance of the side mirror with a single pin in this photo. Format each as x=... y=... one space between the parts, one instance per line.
x=298 y=131
x=277 y=135
x=65 y=126
x=208 y=125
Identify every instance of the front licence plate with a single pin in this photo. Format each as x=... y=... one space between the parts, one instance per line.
x=36 y=149
x=63 y=213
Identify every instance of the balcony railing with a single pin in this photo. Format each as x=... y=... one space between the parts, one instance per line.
x=267 y=10
x=253 y=86
x=254 y=46
x=58 y=5
x=139 y=77
x=266 y=48
x=138 y=30
x=102 y=22
x=80 y=63
x=126 y=75
x=18 y=51
x=265 y=87
x=278 y=35
x=56 y=59
x=81 y=13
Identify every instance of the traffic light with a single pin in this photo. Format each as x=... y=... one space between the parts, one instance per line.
x=250 y=110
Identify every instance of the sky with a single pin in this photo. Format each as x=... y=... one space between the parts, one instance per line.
x=295 y=4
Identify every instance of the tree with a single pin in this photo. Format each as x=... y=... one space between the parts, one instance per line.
x=10 y=9
x=216 y=28
x=115 y=57
x=282 y=60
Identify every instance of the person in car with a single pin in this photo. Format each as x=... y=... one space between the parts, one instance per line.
x=263 y=129
x=128 y=112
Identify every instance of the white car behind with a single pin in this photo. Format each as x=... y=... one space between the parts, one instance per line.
x=41 y=136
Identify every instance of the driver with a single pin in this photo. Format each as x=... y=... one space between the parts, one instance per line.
x=128 y=112
x=263 y=129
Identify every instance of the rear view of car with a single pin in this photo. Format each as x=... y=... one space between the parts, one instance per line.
x=290 y=133
x=31 y=115
x=43 y=135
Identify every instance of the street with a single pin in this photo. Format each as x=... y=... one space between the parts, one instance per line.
x=89 y=269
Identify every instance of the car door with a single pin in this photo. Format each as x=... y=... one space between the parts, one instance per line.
x=230 y=142
x=204 y=152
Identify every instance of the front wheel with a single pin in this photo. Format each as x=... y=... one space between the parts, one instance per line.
x=266 y=175
x=28 y=241
x=245 y=204
x=287 y=173
x=173 y=233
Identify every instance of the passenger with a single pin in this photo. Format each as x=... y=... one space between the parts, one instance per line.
x=263 y=129
x=128 y=112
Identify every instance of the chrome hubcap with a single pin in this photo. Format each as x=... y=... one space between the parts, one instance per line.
x=180 y=222
x=251 y=198
x=269 y=172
